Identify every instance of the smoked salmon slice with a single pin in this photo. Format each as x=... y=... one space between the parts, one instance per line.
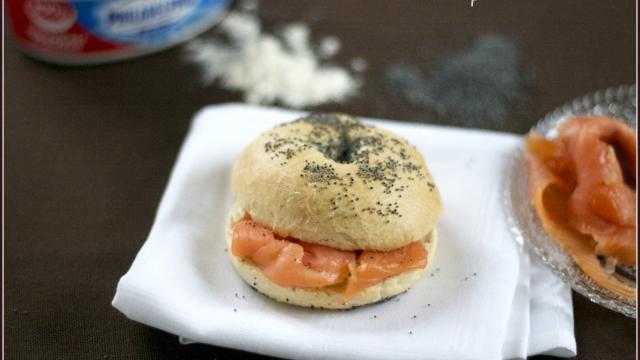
x=603 y=204
x=288 y=263
x=582 y=186
x=375 y=266
x=293 y=263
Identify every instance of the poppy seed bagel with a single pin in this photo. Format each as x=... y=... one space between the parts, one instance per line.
x=330 y=180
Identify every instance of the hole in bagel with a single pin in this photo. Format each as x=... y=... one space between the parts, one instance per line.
x=333 y=136
x=346 y=149
x=346 y=140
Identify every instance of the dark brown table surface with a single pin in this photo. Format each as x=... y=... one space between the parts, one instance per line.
x=89 y=150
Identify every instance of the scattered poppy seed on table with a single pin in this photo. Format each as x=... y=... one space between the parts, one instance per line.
x=483 y=84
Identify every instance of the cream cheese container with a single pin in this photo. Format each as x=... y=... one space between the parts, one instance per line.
x=75 y=32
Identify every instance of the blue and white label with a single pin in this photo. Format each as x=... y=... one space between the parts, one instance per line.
x=146 y=21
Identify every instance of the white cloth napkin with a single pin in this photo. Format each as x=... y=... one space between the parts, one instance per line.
x=481 y=299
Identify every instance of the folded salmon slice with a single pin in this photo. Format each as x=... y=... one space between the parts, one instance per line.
x=293 y=263
x=600 y=151
x=582 y=186
x=288 y=263
x=375 y=266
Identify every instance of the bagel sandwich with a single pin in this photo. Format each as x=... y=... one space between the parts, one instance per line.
x=331 y=213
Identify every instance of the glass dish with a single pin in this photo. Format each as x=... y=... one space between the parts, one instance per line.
x=619 y=102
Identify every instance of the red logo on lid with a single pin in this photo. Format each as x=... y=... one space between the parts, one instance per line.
x=50 y=16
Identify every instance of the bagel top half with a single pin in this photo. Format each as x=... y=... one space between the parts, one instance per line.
x=330 y=180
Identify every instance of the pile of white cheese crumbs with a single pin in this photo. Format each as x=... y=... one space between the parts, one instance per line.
x=271 y=69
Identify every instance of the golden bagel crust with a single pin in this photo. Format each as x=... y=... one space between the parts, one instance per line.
x=330 y=180
x=329 y=297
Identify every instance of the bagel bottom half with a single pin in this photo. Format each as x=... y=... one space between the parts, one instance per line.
x=327 y=297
